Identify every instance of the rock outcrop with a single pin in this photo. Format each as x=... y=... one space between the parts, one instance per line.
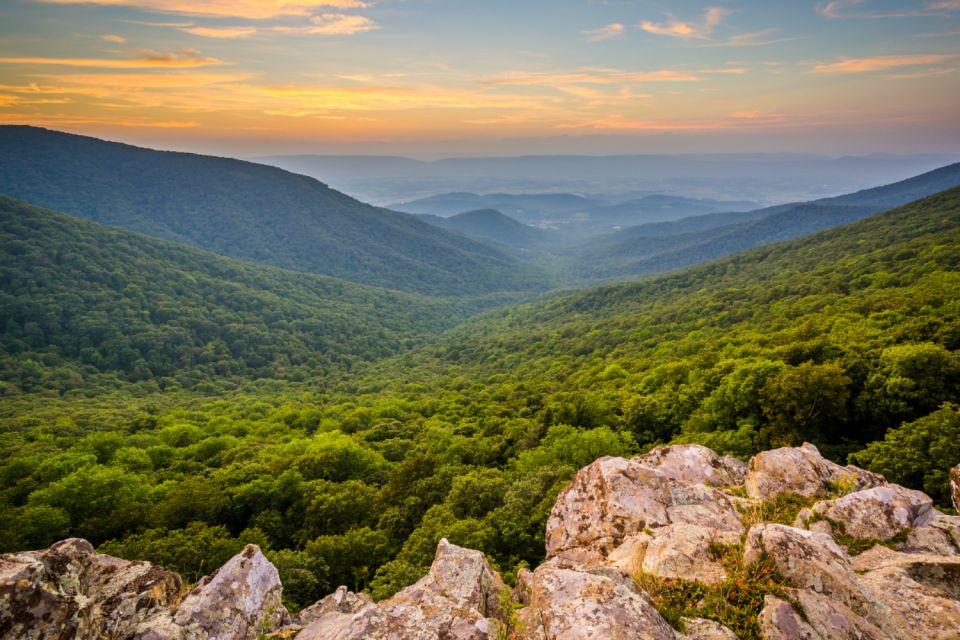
x=667 y=520
x=459 y=599
x=955 y=486
x=70 y=591
x=803 y=471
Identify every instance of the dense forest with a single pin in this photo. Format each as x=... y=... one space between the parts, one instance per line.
x=847 y=338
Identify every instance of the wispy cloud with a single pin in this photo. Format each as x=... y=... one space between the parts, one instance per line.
x=880 y=63
x=835 y=8
x=251 y=9
x=115 y=39
x=712 y=17
x=332 y=24
x=228 y=33
x=146 y=59
x=607 y=32
x=591 y=75
x=845 y=9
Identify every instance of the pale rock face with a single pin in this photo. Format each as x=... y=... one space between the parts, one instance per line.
x=628 y=557
x=955 y=486
x=800 y=470
x=923 y=593
x=703 y=629
x=614 y=498
x=881 y=512
x=340 y=601
x=457 y=600
x=69 y=591
x=567 y=604
x=940 y=536
x=695 y=464
x=238 y=600
x=814 y=561
x=683 y=551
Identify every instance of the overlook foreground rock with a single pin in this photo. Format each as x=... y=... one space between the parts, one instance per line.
x=851 y=557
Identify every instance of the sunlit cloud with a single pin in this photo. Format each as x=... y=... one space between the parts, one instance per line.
x=115 y=39
x=146 y=59
x=608 y=32
x=228 y=33
x=737 y=71
x=880 y=63
x=250 y=9
x=712 y=17
x=332 y=24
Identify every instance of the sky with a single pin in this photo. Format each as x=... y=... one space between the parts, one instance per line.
x=468 y=77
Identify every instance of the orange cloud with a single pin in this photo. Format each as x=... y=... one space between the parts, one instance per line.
x=113 y=38
x=229 y=33
x=251 y=9
x=879 y=63
x=333 y=24
x=712 y=18
x=148 y=59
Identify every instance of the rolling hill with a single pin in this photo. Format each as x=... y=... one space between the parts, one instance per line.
x=80 y=301
x=491 y=225
x=248 y=211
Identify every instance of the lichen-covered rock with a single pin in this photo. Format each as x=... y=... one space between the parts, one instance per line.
x=235 y=602
x=566 y=604
x=801 y=470
x=683 y=551
x=703 y=629
x=814 y=561
x=940 y=536
x=459 y=599
x=70 y=591
x=880 y=512
x=614 y=498
x=695 y=464
x=922 y=592
x=822 y=618
x=628 y=557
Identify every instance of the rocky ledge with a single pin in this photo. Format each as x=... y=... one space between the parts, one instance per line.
x=665 y=546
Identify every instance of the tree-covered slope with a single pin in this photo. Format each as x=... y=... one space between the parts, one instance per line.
x=249 y=211
x=868 y=312
x=79 y=300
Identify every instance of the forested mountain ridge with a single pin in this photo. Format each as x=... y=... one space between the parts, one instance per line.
x=660 y=247
x=847 y=338
x=248 y=211
x=82 y=303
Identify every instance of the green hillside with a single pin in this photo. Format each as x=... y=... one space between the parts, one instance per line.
x=847 y=338
x=82 y=303
x=248 y=211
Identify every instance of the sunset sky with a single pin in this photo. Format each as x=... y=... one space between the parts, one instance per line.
x=467 y=76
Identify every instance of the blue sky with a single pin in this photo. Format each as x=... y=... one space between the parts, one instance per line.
x=529 y=76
